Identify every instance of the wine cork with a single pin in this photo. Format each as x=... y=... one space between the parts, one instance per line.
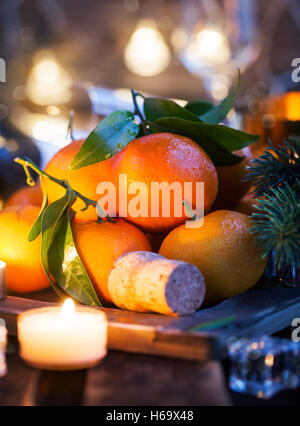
x=148 y=282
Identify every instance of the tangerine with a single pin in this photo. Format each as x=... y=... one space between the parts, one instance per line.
x=223 y=249
x=232 y=183
x=100 y=244
x=165 y=158
x=28 y=195
x=24 y=272
x=84 y=180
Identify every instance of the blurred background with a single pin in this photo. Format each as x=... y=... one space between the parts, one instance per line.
x=64 y=55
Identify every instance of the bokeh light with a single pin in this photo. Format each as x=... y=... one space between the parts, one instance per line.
x=48 y=83
x=146 y=53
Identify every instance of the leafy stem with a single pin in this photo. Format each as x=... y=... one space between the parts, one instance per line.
x=29 y=164
x=137 y=111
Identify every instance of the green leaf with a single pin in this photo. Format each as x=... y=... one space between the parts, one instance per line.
x=218 y=141
x=156 y=108
x=67 y=268
x=217 y=114
x=50 y=225
x=199 y=107
x=59 y=257
x=37 y=226
x=110 y=136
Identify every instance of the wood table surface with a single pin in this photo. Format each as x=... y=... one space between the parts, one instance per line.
x=121 y=379
x=127 y=379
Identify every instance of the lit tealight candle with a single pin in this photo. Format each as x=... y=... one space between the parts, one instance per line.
x=66 y=338
x=2 y=279
x=3 y=342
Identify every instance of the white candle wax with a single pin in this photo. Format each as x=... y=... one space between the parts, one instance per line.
x=3 y=342
x=62 y=338
x=2 y=279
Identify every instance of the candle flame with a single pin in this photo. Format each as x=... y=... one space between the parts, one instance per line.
x=67 y=313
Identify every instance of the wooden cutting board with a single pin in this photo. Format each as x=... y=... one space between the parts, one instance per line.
x=200 y=336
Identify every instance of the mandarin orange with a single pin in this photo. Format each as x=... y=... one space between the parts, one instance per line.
x=84 y=180
x=247 y=205
x=28 y=195
x=164 y=158
x=100 y=244
x=223 y=249
x=232 y=184
x=24 y=270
